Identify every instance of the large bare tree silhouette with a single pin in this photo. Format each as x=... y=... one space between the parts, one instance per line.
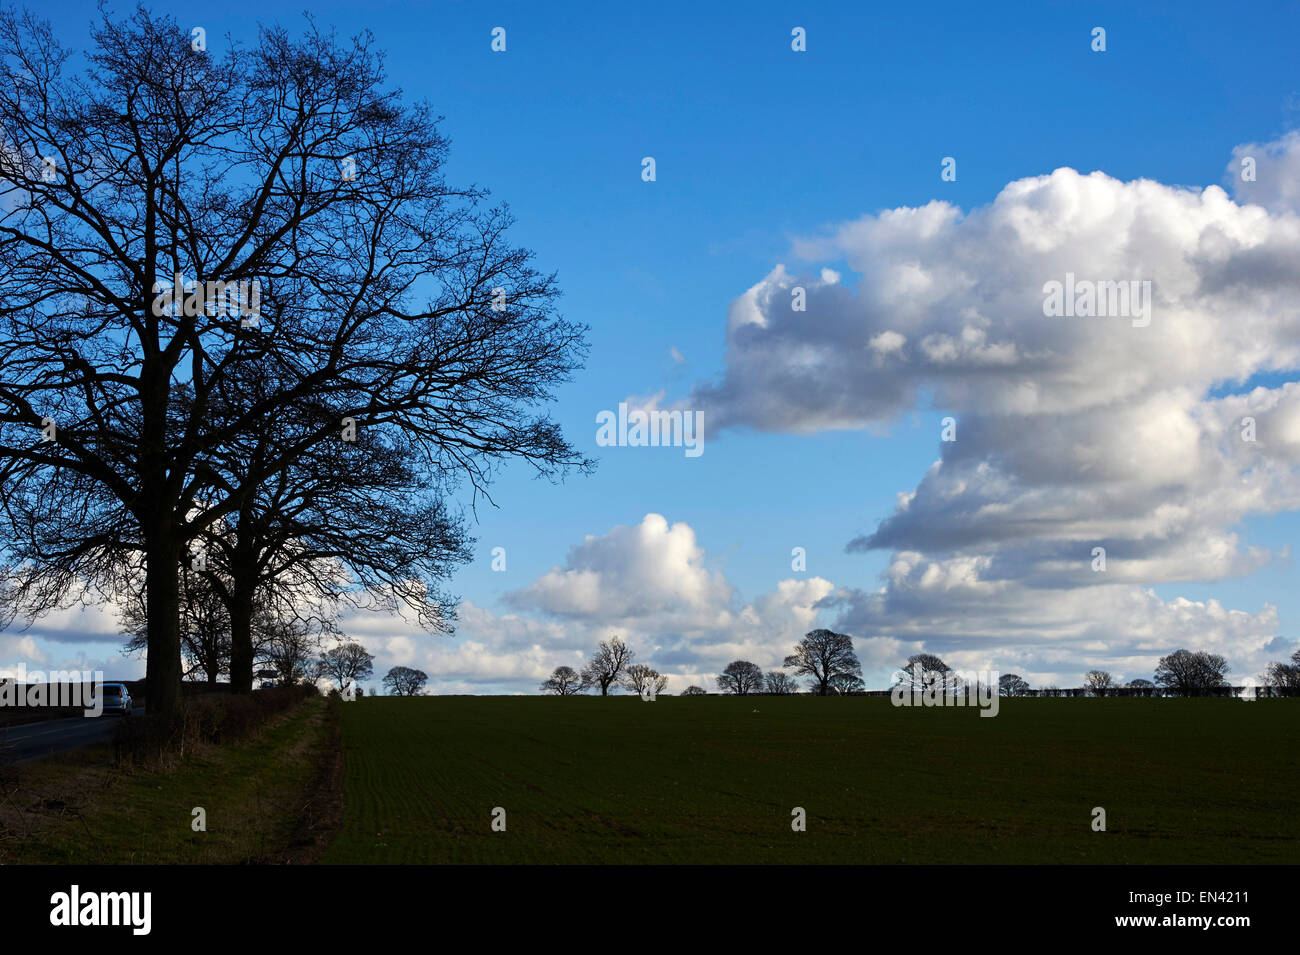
x=387 y=297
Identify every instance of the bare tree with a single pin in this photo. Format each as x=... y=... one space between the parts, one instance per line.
x=350 y=521
x=741 y=678
x=382 y=293
x=847 y=684
x=1011 y=684
x=405 y=681
x=1099 y=681
x=563 y=681
x=346 y=663
x=641 y=677
x=779 y=683
x=606 y=667
x=924 y=670
x=287 y=644
x=822 y=654
x=204 y=628
x=258 y=582
x=1190 y=673
x=1284 y=676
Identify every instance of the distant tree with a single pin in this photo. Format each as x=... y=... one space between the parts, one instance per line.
x=1051 y=690
x=1140 y=687
x=606 y=667
x=405 y=681
x=640 y=677
x=1011 y=684
x=1284 y=675
x=287 y=644
x=563 y=681
x=693 y=691
x=1099 y=681
x=846 y=684
x=741 y=678
x=346 y=663
x=204 y=627
x=926 y=669
x=822 y=654
x=779 y=683
x=1190 y=673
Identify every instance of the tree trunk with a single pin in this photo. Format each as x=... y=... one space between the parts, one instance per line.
x=241 y=636
x=156 y=513
x=162 y=596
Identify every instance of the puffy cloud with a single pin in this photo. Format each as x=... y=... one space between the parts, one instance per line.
x=648 y=583
x=631 y=573
x=18 y=649
x=1157 y=484
x=1072 y=432
x=1276 y=172
x=1055 y=635
x=953 y=305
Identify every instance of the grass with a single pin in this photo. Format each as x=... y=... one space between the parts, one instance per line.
x=684 y=780
x=73 y=808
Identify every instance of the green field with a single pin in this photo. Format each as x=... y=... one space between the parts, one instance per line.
x=714 y=779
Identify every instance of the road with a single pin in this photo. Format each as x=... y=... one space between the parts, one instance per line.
x=31 y=740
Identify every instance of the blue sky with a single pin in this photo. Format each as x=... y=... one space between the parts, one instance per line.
x=762 y=154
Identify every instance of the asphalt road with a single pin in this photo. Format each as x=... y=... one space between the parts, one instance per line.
x=39 y=739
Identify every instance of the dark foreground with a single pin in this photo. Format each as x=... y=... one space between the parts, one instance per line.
x=717 y=779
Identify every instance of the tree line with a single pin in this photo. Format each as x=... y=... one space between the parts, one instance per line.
x=825 y=657
x=832 y=668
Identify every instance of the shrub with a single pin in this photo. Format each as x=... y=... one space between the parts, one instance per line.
x=213 y=718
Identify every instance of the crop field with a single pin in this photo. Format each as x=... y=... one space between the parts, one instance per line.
x=716 y=780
